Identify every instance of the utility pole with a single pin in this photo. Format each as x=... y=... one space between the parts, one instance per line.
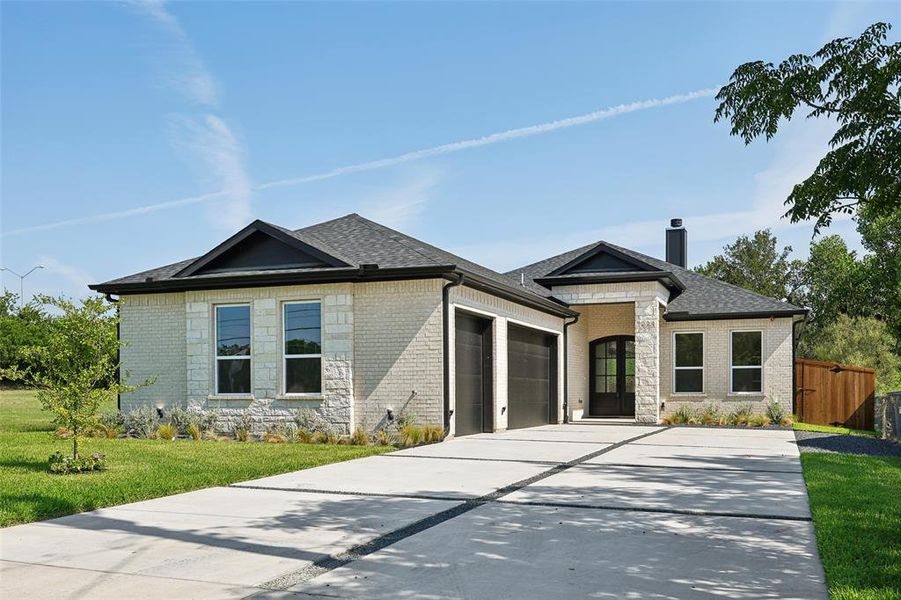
x=22 y=282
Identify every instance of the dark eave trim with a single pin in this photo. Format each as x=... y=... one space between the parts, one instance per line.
x=274 y=278
x=776 y=314
x=366 y=273
x=524 y=297
x=667 y=278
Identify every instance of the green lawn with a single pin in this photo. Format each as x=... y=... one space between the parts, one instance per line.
x=138 y=469
x=831 y=429
x=856 y=505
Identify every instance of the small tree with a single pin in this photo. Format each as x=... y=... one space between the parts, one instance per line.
x=756 y=263
x=857 y=83
x=76 y=365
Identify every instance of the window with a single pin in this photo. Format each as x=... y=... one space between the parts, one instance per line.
x=747 y=363
x=688 y=363
x=303 y=348
x=606 y=368
x=233 y=349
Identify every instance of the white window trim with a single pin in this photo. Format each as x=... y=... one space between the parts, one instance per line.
x=217 y=358
x=732 y=367
x=703 y=391
x=285 y=357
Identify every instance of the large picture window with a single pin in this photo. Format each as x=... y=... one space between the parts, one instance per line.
x=747 y=362
x=302 y=347
x=233 y=349
x=688 y=363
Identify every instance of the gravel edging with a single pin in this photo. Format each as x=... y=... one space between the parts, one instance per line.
x=841 y=443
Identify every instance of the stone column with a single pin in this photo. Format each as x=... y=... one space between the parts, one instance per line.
x=647 y=360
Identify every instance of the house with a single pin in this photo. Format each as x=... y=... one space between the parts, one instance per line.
x=363 y=324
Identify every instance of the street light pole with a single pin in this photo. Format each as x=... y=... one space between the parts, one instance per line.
x=22 y=282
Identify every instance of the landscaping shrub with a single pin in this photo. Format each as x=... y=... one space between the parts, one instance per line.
x=311 y=421
x=64 y=465
x=410 y=435
x=383 y=438
x=432 y=433
x=167 y=431
x=359 y=437
x=142 y=422
x=279 y=433
x=319 y=437
x=710 y=415
x=775 y=411
x=204 y=419
x=741 y=414
x=195 y=432
x=682 y=415
x=179 y=418
x=759 y=420
x=304 y=437
x=242 y=429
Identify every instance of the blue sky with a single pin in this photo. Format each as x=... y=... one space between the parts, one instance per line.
x=135 y=135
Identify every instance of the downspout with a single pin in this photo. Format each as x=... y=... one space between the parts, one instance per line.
x=109 y=298
x=445 y=314
x=795 y=339
x=566 y=367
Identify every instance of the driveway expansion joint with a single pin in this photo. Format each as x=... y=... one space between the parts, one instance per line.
x=330 y=563
x=650 y=509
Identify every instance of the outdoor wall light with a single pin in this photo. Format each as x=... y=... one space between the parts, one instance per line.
x=159 y=409
x=503 y=409
x=390 y=412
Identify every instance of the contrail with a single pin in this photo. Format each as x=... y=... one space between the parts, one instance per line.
x=373 y=165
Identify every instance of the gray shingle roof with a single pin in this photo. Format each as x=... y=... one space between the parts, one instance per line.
x=357 y=241
x=703 y=296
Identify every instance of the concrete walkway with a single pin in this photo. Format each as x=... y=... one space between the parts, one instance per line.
x=573 y=511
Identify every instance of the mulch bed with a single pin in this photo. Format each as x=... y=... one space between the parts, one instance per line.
x=840 y=443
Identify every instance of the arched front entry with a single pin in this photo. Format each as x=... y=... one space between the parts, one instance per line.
x=612 y=377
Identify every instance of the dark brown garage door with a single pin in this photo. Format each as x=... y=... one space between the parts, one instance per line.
x=472 y=365
x=532 y=373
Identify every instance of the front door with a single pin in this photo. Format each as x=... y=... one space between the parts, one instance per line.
x=612 y=377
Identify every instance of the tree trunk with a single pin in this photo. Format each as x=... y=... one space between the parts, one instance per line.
x=75 y=443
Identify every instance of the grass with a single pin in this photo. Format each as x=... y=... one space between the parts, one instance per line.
x=138 y=469
x=830 y=429
x=857 y=517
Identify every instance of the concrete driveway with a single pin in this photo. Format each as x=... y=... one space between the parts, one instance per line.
x=588 y=511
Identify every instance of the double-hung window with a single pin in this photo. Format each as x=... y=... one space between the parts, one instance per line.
x=688 y=363
x=233 y=349
x=302 y=368
x=747 y=362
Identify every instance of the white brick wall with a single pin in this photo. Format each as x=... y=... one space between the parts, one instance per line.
x=502 y=312
x=647 y=298
x=153 y=329
x=268 y=401
x=777 y=363
x=398 y=351
x=595 y=321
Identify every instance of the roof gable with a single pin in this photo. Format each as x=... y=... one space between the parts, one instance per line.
x=602 y=258
x=260 y=247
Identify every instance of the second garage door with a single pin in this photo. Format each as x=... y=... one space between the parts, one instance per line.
x=532 y=377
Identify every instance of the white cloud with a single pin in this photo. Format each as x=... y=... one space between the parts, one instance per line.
x=799 y=148
x=183 y=68
x=493 y=138
x=401 y=206
x=214 y=150
x=502 y=136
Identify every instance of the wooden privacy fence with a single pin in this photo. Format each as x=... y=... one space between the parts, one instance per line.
x=832 y=394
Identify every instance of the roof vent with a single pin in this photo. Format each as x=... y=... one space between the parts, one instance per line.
x=677 y=243
x=148 y=279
